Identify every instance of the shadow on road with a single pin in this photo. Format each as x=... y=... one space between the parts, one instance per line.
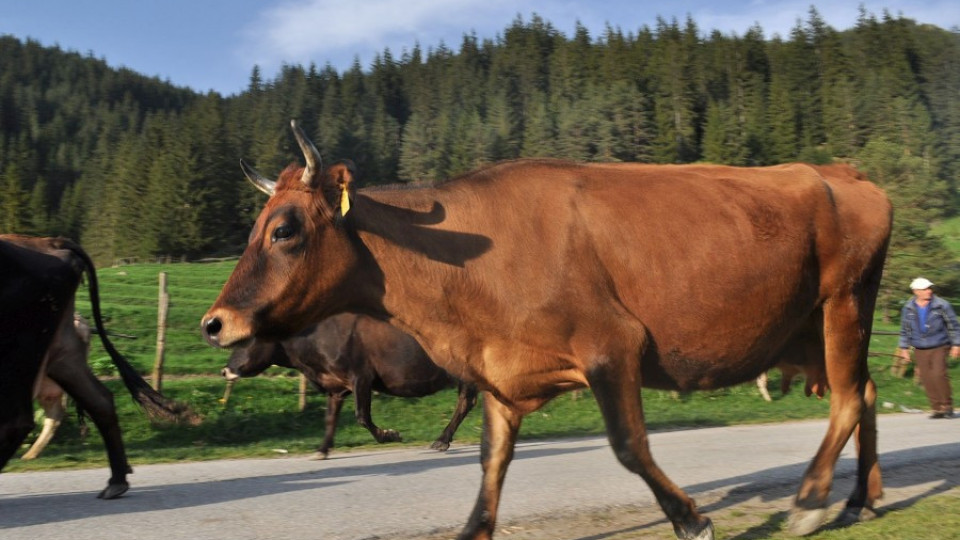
x=901 y=468
x=937 y=465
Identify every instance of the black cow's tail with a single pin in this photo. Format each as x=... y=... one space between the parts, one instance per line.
x=157 y=406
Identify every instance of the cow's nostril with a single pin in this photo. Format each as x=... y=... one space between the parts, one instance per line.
x=213 y=326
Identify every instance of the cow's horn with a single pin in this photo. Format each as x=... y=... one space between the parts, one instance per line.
x=310 y=154
x=263 y=184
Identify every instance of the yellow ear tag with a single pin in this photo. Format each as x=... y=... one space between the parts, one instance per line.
x=344 y=202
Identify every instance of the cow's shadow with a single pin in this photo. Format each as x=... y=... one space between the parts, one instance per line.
x=769 y=484
x=903 y=468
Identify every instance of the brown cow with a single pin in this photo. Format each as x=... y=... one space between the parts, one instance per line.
x=350 y=353
x=76 y=378
x=533 y=277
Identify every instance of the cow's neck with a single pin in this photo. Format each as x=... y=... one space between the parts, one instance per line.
x=421 y=252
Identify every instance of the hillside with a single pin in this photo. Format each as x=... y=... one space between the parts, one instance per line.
x=134 y=167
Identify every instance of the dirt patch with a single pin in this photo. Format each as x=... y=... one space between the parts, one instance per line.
x=735 y=514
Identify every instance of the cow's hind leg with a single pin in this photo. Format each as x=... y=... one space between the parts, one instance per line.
x=616 y=386
x=94 y=398
x=500 y=427
x=466 y=400
x=16 y=422
x=363 y=396
x=846 y=328
x=869 y=486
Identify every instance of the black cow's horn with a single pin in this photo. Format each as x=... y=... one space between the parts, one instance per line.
x=310 y=154
x=263 y=184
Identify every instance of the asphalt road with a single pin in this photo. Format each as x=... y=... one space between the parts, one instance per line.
x=406 y=493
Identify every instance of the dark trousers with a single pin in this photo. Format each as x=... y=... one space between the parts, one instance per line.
x=932 y=364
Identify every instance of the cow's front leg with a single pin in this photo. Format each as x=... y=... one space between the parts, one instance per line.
x=363 y=397
x=466 y=400
x=500 y=428
x=334 y=404
x=615 y=381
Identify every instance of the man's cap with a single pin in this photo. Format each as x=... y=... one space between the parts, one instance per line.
x=920 y=284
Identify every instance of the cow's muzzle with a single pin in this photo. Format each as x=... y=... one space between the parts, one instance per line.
x=229 y=374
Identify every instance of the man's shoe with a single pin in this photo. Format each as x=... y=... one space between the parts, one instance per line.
x=938 y=415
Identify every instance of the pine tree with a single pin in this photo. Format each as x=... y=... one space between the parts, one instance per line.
x=418 y=160
x=674 y=96
x=782 y=119
x=918 y=198
x=576 y=129
x=174 y=217
x=720 y=140
x=468 y=144
x=540 y=130
x=12 y=201
x=36 y=210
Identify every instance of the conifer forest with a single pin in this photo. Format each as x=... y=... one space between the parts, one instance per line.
x=134 y=166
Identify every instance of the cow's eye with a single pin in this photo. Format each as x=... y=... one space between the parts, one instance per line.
x=282 y=233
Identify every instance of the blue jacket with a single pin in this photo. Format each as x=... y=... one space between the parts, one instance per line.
x=942 y=327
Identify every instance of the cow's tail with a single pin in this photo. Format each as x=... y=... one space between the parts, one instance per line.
x=157 y=406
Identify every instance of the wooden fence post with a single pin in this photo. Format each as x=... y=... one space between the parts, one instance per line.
x=161 y=332
x=303 y=392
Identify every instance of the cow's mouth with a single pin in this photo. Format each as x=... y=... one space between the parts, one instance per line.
x=229 y=374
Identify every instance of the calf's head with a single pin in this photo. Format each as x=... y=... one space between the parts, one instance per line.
x=299 y=258
x=253 y=359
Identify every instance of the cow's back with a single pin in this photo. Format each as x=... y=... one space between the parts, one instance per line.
x=723 y=266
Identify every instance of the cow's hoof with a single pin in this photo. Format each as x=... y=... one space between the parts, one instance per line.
x=112 y=491
x=440 y=446
x=852 y=515
x=389 y=435
x=803 y=522
x=705 y=532
x=319 y=455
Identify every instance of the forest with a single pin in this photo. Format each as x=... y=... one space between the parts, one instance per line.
x=136 y=167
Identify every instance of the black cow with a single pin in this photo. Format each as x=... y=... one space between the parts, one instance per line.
x=36 y=290
x=352 y=353
x=38 y=279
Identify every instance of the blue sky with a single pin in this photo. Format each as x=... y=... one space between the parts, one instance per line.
x=214 y=44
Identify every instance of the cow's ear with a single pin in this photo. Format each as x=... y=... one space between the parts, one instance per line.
x=337 y=187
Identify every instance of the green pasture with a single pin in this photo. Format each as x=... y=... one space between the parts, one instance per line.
x=262 y=416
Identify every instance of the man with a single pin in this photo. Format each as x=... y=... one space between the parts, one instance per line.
x=929 y=325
